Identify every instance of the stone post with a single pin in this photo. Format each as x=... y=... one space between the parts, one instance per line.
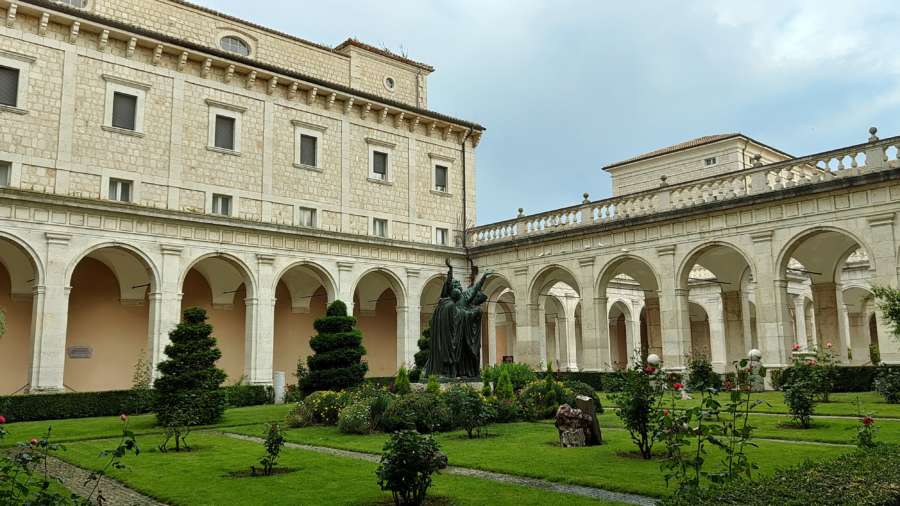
x=734 y=327
x=800 y=322
x=345 y=284
x=259 y=338
x=165 y=304
x=410 y=329
x=673 y=311
x=491 y=315
x=718 y=346
x=772 y=319
x=51 y=308
x=596 y=359
x=826 y=309
x=594 y=332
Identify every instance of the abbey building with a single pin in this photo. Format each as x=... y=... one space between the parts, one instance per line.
x=156 y=155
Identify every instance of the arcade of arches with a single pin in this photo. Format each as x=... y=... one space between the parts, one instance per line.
x=87 y=315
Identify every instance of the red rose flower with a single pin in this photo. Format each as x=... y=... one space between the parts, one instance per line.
x=828 y=344
x=2 y=419
x=649 y=369
x=665 y=412
x=123 y=417
x=34 y=441
x=796 y=347
x=868 y=421
x=678 y=386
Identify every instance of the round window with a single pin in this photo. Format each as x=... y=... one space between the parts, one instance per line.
x=389 y=83
x=236 y=45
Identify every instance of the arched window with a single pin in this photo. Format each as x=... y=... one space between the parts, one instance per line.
x=235 y=45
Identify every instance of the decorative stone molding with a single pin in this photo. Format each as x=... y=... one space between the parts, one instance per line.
x=881 y=219
x=666 y=250
x=311 y=96
x=73 y=32
x=292 y=91
x=207 y=68
x=171 y=249
x=398 y=119
x=251 y=79
x=58 y=238
x=132 y=44
x=765 y=236
x=586 y=261
x=330 y=103
x=348 y=105
x=345 y=266
x=413 y=124
x=311 y=126
x=383 y=115
x=265 y=259
x=413 y=272
x=229 y=74
x=379 y=142
x=223 y=105
x=182 y=61
x=45 y=21
x=11 y=15
x=125 y=82
x=273 y=85
x=157 y=55
x=365 y=110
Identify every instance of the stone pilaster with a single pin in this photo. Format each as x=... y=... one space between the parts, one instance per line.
x=51 y=308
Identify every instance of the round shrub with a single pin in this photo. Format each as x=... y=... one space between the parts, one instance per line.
x=701 y=376
x=355 y=419
x=468 y=410
x=541 y=399
x=506 y=410
x=420 y=411
x=325 y=406
x=300 y=416
x=408 y=461
x=887 y=383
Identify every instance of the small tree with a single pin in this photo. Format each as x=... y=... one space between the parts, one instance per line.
x=188 y=386
x=504 y=387
x=408 y=461
x=401 y=382
x=337 y=363
x=434 y=386
x=800 y=390
x=889 y=303
x=638 y=401
x=468 y=410
x=421 y=356
x=142 y=378
x=274 y=442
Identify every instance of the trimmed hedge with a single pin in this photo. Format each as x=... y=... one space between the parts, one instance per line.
x=600 y=381
x=23 y=408
x=861 y=478
x=847 y=378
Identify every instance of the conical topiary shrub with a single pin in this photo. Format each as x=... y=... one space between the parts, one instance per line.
x=337 y=362
x=421 y=356
x=188 y=386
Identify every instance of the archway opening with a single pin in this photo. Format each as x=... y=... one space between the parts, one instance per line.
x=302 y=295
x=555 y=295
x=375 y=304
x=18 y=276
x=109 y=313
x=633 y=282
x=621 y=333
x=701 y=345
x=221 y=285
x=815 y=265
x=859 y=311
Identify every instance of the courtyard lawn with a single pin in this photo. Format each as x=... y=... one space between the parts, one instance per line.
x=79 y=429
x=841 y=404
x=532 y=449
x=202 y=477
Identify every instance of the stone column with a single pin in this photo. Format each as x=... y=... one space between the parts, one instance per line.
x=718 y=348
x=492 y=332
x=800 y=322
x=734 y=326
x=673 y=311
x=747 y=322
x=259 y=336
x=410 y=329
x=165 y=304
x=50 y=310
x=844 y=319
x=881 y=237
x=598 y=358
x=826 y=309
x=772 y=319
x=528 y=321
x=345 y=284
x=570 y=358
x=594 y=330
x=654 y=329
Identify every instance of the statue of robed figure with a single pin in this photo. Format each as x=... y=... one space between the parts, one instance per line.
x=456 y=330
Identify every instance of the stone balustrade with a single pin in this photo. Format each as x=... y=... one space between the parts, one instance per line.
x=850 y=161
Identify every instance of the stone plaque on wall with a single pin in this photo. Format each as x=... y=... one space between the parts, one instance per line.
x=80 y=352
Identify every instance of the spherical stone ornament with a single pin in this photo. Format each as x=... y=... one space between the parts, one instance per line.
x=653 y=359
x=755 y=355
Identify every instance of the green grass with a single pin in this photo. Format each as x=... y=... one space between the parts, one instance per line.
x=201 y=477
x=79 y=429
x=842 y=404
x=532 y=449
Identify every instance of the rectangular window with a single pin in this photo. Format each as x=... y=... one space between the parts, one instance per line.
x=119 y=189
x=308 y=150
x=9 y=86
x=710 y=161
x=224 y=132
x=307 y=217
x=221 y=204
x=441 y=236
x=379 y=227
x=379 y=165
x=124 y=113
x=440 y=178
x=5 y=173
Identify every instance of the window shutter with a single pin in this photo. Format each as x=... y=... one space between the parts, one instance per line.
x=440 y=177
x=124 y=111
x=125 y=195
x=9 y=86
x=380 y=163
x=224 y=132
x=308 y=150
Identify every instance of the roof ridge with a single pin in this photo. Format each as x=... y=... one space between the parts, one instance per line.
x=353 y=41
x=692 y=143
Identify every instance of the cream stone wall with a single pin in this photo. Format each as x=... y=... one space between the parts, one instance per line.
x=368 y=73
x=16 y=342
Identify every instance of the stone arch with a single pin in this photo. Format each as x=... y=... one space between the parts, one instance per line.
x=222 y=284
x=303 y=289
x=21 y=271
x=636 y=267
x=621 y=333
x=108 y=316
x=428 y=298
x=380 y=305
x=705 y=253
x=499 y=331
x=845 y=246
x=548 y=276
x=556 y=281
x=701 y=338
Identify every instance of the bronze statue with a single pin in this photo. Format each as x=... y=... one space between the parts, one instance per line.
x=456 y=330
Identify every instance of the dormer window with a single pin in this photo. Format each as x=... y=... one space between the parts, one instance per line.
x=80 y=4
x=235 y=45
x=709 y=162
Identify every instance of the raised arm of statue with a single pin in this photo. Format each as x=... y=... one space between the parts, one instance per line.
x=448 y=283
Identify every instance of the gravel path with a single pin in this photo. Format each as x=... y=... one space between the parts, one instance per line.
x=74 y=477
x=594 y=493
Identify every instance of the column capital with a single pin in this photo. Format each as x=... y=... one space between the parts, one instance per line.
x=665 y=250
x=764 y=236
x=58 y=238
x=881 y=219
x=520 y=271
x=265 y=259
x=586 y=261
x=413 y=272
x=345 y=266
x=681 y=292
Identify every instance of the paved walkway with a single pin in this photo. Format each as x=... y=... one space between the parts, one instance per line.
x=74 y=478
x=594 y=493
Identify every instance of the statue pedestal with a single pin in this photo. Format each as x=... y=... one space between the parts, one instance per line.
x=449 y=382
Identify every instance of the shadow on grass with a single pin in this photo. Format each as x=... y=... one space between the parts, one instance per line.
x=388 y=501
x=247 y=473
x=797 y=426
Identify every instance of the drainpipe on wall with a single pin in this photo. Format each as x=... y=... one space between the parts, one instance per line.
x=465 y=201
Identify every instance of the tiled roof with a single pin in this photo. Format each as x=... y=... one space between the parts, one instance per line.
x=382 y=52
x=693 y=143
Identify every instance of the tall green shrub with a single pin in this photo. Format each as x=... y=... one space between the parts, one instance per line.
x=421 y=356
x=337 y=363
x=188 y=386
x=401 y=382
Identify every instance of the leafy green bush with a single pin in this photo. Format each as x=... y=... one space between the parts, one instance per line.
x=421 y=356
x=189 y=381
x=506 y=410
x=300 y=416
x=22 y=408
x=519 y=374
x=237 y=396
x=273 y=444
x=541 y=398
x=701 y=376
x=419 y=411
x=433 y=386
x=468 y=410
x=867 y=478
x=638 y=402
x=408 y=461
x=800 y=391
x=580 y=388
x=325 y=406
x=401 y=383
x=356 y=418
x=887 y=383
x=503 y=388
x=337 y=362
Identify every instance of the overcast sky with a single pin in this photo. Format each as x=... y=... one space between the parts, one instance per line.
x=565 y=87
